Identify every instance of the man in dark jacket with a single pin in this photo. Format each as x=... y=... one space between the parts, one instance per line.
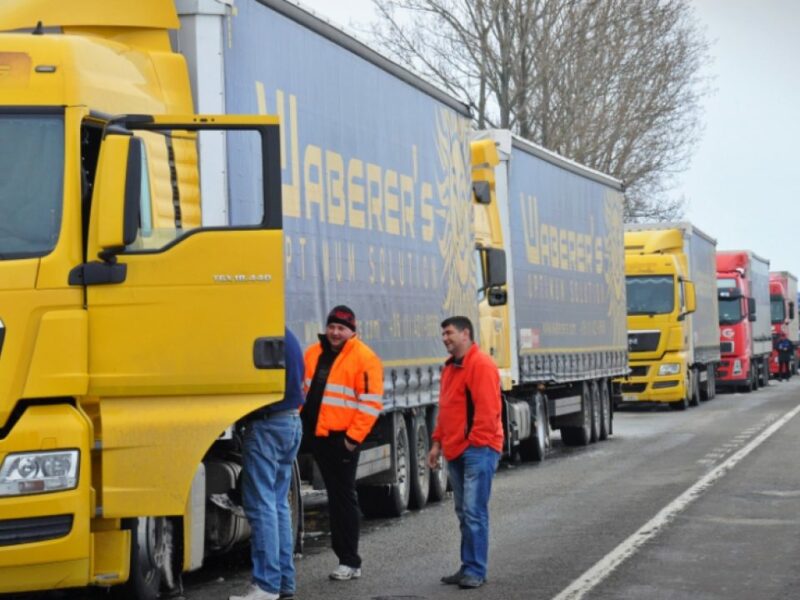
x=270 y=446
x=785 y=349
x=469 y=431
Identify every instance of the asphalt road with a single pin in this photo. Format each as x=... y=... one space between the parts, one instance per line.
x=701 y=504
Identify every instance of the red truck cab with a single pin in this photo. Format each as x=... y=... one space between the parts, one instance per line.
x=745 y=339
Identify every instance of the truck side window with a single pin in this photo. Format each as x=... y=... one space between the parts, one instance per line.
x=91 y=134
x=172 y=201
x=480 y=274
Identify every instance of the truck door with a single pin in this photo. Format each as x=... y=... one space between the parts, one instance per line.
x=182 y=309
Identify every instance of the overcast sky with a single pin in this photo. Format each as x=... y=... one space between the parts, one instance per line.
x=743 y=185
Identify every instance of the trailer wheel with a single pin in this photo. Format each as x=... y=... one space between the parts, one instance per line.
x=438 y=477
x=390 y=500
x=580 y=435
x=535 y=447
x=605 y=411
x=153 y=559
x=419 y=474
x=596 y=412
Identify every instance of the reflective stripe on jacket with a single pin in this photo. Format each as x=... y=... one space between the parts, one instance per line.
x=353 y=395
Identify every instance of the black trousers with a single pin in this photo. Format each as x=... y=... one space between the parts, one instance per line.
x=338 y=468
x=783 y=368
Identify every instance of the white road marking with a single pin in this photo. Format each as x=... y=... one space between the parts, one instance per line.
x=606 y=565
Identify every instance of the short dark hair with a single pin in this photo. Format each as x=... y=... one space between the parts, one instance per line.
x=460 y=323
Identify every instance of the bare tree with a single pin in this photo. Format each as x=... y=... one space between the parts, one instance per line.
x=612 y=84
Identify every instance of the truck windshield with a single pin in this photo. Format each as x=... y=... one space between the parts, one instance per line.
x=777 y=309
x=31 y=183
x=650 y=294
x=730 y=311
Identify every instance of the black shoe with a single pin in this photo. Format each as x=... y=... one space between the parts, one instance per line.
x=286 y=596
x=453 y=579
x=468 y=582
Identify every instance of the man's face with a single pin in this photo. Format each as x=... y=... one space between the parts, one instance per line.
x=338 y=334
x=456 y=342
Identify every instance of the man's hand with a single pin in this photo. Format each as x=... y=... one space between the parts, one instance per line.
x=433 y=455
x=350 y=447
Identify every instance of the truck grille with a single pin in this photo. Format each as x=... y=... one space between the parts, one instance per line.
x=643 y=341
x=639 y=371
x=36 y=529
x=726 y=347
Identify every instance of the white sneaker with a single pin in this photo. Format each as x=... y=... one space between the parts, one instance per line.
x=345 y=573
x=256 y=593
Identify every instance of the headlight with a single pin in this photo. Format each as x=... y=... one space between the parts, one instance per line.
x=669 y=369
x=36 y=472
x=737 y=366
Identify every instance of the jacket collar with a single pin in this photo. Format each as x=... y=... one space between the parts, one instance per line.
x=326 y=345
x=459 y=362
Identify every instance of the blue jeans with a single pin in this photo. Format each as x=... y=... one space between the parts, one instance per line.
x=471 y=477
x=270 y=447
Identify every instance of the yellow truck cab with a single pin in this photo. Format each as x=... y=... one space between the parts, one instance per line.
x=672 y=309
x=116 y=297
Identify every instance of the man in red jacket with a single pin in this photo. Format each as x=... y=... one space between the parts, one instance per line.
x=469 y=431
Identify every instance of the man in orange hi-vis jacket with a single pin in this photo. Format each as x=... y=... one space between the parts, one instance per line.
x=344 y=391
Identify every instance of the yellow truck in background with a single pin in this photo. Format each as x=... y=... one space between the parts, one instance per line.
x=673 y=343
x=121 y=361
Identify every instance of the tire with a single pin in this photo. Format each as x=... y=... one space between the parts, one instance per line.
x=683 y=403
x=710 y=390
x=419 y=473
x=390 y=500
x=438 y=478
x=596 y=412
x=756 y=376
x=750 y=385
x=695 y=387
x=534 y=448
x=606 y=427
x=580 y=435
x=153 y=556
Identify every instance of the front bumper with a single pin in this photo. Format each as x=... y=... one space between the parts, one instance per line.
x=643 y=386
x=45 y=538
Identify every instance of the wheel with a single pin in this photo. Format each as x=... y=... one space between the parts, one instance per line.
x=756 y=375
x=580 y=435
x=683 y=403
x=535 y=447
x=390 y=500
x=710 y=390
x=695 y=387
x=605 y=411
x=596 y=412
x=419 y=474
x=750 y=385
x=153 y=559
x=438 y=477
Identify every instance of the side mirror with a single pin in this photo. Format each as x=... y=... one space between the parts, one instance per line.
x=118 y=192
x=495 y=267
x=497 y=297
x=689 y=296
x=791 y=310
x=751 y=309
x=482 y=191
